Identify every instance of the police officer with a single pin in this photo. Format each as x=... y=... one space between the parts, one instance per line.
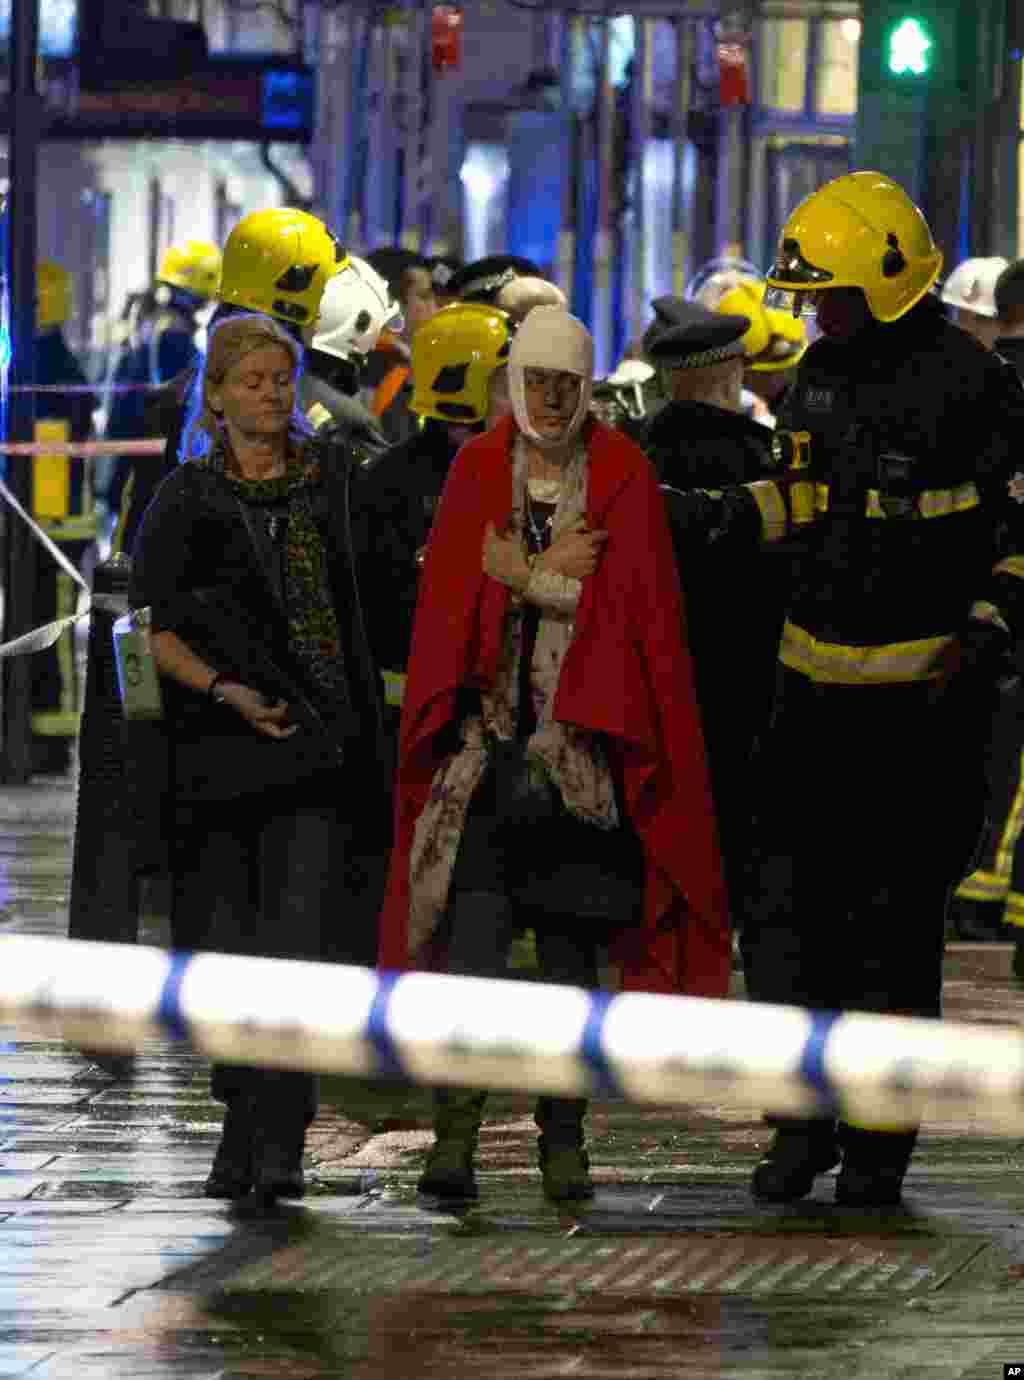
x=275 y=262
x=62 y=503
x=895 y=451
x=701 y=439
x=459 y=388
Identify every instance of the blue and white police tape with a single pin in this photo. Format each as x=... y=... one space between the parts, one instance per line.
x=434 y=1029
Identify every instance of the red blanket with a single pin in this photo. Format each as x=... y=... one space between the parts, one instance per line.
x=627 y=674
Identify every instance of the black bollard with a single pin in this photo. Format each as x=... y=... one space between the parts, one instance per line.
x=119 y=831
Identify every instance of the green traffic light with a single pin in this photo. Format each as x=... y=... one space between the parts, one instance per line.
x=910 y=47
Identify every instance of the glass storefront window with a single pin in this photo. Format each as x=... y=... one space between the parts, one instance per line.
x=835 y=79
x=783 y=64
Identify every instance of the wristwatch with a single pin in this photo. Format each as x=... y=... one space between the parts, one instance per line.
x=216 y=690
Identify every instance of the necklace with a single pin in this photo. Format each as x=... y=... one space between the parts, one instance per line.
x=537 y=532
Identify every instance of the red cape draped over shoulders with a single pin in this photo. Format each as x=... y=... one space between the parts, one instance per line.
x=627 y=674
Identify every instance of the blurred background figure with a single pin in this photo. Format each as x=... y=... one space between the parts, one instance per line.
x=521 y=295
x=483 y=279
x=161 y=345
x=621 y=399
x=62 y=503
x=970 y=290
x=1009 y=298
x=387 y=383
x=443 y=268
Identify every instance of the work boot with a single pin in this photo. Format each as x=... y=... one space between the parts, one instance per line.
x=449 y=1171
x=564 y=1163
x=277 y=1162
x=874 y=1163
x=231 y=1175
x=799 y=1152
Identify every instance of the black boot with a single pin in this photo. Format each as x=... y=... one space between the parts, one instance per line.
x=449 y=1171
x=232 y=1173
x=564 y=1163
x=874 y=1163
x=799 y=1152
x=278 y=1162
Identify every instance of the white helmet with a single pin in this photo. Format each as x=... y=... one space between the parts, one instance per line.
x=972 y=286
x=355 y=308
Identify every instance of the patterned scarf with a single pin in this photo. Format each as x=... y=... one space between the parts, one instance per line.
x=313 y=634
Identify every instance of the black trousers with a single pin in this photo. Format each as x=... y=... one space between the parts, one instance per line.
x=264 y=877
x=868 y=805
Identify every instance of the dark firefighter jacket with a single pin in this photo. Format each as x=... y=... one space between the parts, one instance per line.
x=895 y=456
x=395 y=498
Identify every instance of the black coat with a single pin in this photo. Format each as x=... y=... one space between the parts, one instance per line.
x=735 y=593
x=199 y=570
x=394 y=500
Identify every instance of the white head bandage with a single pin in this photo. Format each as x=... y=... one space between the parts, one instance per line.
x=550 y=338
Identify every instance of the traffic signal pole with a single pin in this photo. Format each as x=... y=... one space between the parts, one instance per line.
x=20 y=553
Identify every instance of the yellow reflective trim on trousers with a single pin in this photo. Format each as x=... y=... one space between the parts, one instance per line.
x=772 y=507
x=982 y=885
x=1014 y=912
x=833 y=663
x=1012 y=565
x=931 y=503
x=899 y=1127
x=394 y=687
x=51 y=723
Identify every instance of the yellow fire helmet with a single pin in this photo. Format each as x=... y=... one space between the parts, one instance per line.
x=193 y=266
x=454 y=355
x=53 y=295
x=776 y=339
x=860 y=231
x=277 y=262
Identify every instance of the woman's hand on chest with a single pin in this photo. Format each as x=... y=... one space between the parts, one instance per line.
x=504 y=559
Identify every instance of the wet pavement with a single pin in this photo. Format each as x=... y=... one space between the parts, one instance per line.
x=112 y=1264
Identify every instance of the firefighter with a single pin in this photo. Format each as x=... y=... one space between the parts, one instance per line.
x=62 y=503
x=356 y=307
x=970 y=292
x=388 y=382
x=277 y=263
x=459 y=389
x=774 y=344
x=895 y=450
x=163 y=345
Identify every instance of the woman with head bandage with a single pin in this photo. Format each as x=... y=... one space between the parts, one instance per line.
x=551 y=767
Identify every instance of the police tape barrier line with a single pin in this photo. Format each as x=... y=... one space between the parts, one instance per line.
x=85 y=449
x=40 y=638
x=531 y=1037
x=96 y=388
x=58 y=555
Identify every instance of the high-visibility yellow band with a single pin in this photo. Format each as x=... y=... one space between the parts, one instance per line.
x=82 y=528
x=394 y=687
x=318 y=416
x=931 y=503
x=897 y=1127
x=984 y=612
x=833 y=663
x=982 y=885
x=54 y=724
x=1014 y=912
x=1012 y=565
x=51 y=471
x=772 y=507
